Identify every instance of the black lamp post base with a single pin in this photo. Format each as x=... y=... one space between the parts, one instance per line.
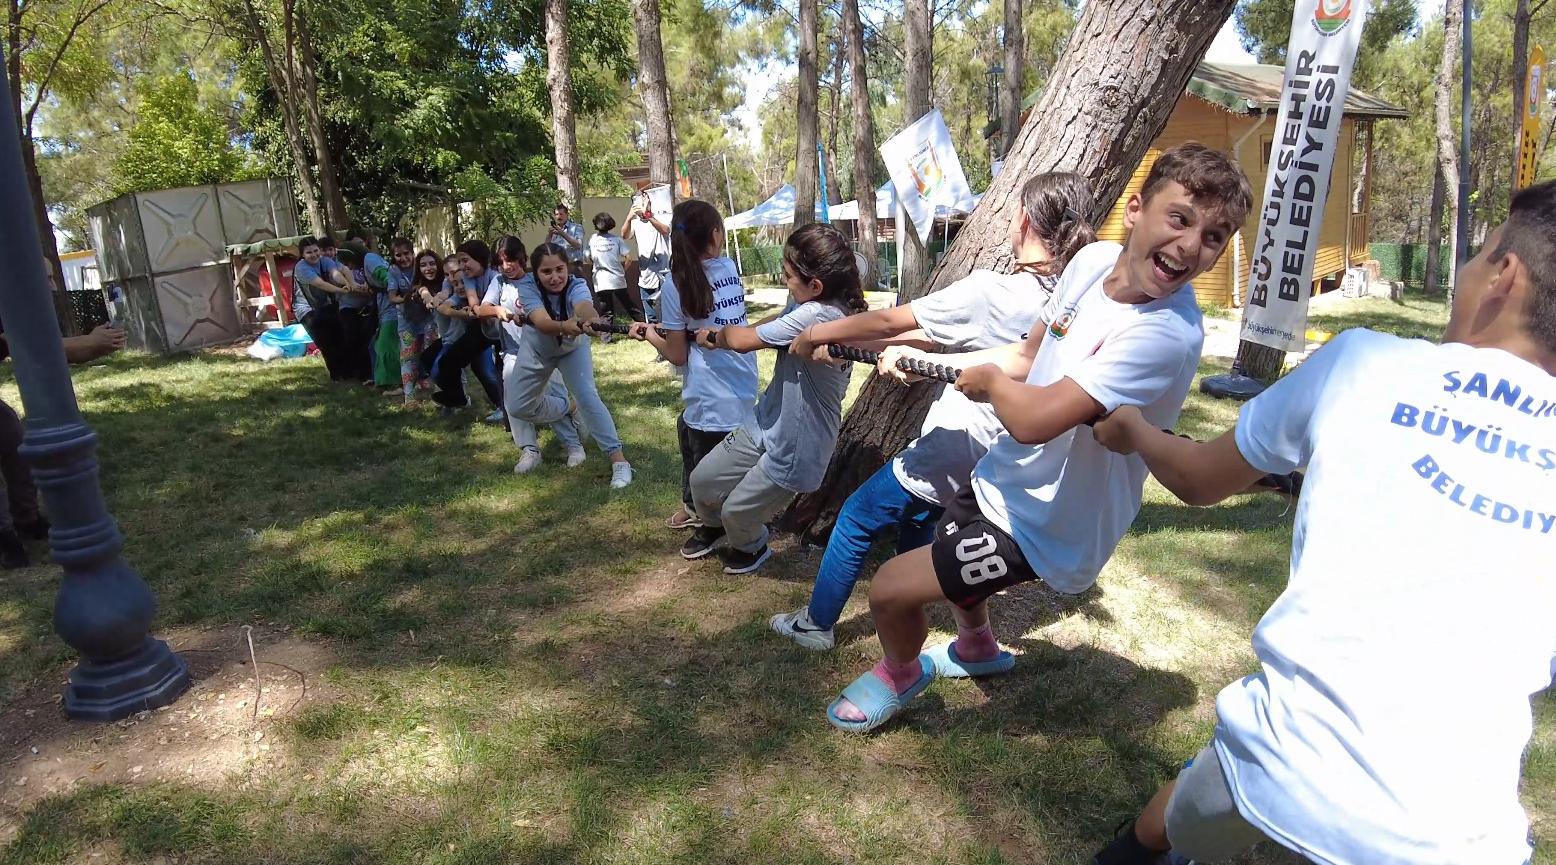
x=151 y=677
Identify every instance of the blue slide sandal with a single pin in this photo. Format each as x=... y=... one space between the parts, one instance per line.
x=947 y=664
x=877 y=699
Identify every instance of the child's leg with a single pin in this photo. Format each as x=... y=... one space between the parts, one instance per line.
x=880 y=503
x=449 y=373
x=386 y=354
x=695 y=444
x=525 y=395
x=577 y=368
x=523 y=431
x=1195 y=816
x=564 y=429
x=484 y=365
x=719 y=472
x=749 y=506
x=410 y=359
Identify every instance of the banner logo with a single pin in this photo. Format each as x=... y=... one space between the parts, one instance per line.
x=1331 y=16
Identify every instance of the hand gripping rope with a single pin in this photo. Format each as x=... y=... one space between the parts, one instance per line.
x=613 y=327
x=1290 y=484
x=914 y=365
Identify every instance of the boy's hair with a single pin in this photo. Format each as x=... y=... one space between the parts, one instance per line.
x=348 y=256
x=1530 y=233
x=309 y=241
x=1208 y=175
x=356 y=247
x=478 y=250
x=692 y=224
x=402 y=243
x=604 y=222
x=1059 y=204
x=326 y=242
x=819 y=251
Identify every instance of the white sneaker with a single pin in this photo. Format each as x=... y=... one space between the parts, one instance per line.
x=798 y=627
x=527 y=463
x=621 y=474
x=576 y=456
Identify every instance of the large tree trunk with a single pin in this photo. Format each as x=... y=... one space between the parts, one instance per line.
x=834 y=187
x=805 y=133
x=1447 y=141
x=281 y=83
x=24 y=126
x=329 y=180
x=1015 y=75
x=656 y=93
x=559 y=80
x=1097 y=126
x=1432 y=278
x=913 y=263
x=864 y=137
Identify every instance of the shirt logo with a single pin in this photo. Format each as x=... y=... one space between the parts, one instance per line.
x=1061 y=325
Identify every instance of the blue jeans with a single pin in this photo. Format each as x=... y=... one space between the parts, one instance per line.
x=878 y=505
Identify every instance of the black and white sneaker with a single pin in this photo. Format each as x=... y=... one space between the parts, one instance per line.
x=702 y=542
x=798 y=627
x=741 y=562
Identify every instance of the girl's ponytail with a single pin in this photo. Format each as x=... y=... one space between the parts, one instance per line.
x=1058 y=206
x=692 y=225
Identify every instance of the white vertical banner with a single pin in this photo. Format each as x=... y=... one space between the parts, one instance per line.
x=925 y=171
x=1324 y=37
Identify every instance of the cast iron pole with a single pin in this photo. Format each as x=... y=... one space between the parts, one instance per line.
x=104 y=609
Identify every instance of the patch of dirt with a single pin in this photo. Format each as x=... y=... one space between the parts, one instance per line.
x=217 y=730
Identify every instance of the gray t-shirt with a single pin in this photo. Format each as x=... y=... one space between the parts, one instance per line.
x=981 y=310
x=559 y=307
x=797 y=420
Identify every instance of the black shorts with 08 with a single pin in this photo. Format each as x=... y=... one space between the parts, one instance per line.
x=974 y=558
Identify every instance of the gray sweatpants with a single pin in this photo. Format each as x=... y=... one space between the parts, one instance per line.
x=1203 y=822
x=730 y=490
x=529 y=397
x=524 y=433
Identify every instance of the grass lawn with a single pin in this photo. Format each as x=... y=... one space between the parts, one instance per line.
x=521 y=669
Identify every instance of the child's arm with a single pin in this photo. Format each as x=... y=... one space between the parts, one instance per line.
x=734 y=337
x=542 y=321
x=1032 y=414
x=674 y=347
x=865 y=327
x=1014 y=360
x=1199 y=473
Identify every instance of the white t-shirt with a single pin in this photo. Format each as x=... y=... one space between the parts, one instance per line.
x=1392 y=710
x=981 y=310
x=720 y=386
x=610 y=273
x=1068 y=502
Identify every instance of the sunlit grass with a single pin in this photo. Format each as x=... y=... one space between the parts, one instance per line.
x=525 y=672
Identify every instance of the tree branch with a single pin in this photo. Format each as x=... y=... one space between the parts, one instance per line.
x=59 y=55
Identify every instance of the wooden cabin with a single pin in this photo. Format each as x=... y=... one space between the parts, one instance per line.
x=1232 y=107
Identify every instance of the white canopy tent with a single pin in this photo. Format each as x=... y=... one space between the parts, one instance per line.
x=776 y=210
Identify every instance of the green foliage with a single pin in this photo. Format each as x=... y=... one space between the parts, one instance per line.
x=526 y=195
x=1264 y=28
x=175 y=141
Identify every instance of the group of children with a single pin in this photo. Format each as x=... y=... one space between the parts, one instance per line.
x=1388 y=718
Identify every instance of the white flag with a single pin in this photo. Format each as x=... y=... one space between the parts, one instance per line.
x=1324 y=36
x=925 y=171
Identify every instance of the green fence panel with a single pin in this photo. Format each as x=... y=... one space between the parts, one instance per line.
x=1405 y=262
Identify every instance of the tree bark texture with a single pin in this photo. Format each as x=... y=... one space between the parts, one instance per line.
x=559 y=80
x=914 y=263
x=280 y=82
x=1434 y=231
x=1447 y=142
x=656 y=93
x=835 y=121
x=329 y=179
x=1107 y=100
x=1015 y=76
x=864 y=136
x=805 y=116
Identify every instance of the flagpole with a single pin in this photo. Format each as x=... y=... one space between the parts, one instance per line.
x=821 y=171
